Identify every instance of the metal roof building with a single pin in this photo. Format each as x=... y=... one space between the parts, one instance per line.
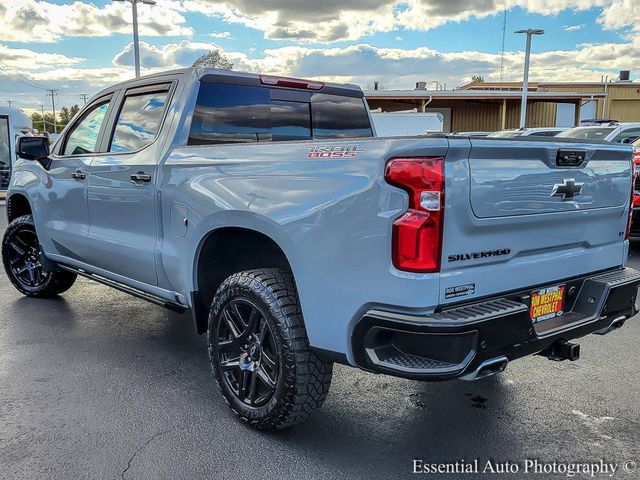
x=489 y=109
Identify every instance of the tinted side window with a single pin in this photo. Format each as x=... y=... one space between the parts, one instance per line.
x=230 y=114
x=82 y=139
x=138 y=121
x=339 y=117
x=290 y=120
x=631 y=134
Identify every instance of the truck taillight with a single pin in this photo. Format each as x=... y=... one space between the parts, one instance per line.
x=417 y=234
x=634 y=175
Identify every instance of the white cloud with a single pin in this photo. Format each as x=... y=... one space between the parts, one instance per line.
x=296 y=20
x=42 y=21
x=397 y=67
x=333 y=20
x=25 y=59
x=172 y=55
x=573 y=28
x=220 y=34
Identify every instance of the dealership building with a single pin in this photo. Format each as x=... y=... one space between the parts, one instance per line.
x=496 y=106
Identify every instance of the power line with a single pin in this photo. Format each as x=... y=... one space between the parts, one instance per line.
x=18 y=77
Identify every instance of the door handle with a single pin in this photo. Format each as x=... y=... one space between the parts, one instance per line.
x=78 y=175
x=140 y=177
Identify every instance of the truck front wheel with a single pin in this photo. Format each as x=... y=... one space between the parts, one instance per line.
x=260 y=352
x=22 y=262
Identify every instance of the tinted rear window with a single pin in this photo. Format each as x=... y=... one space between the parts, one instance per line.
x=242 y=114
x=587 y=133
x=290 y=120
x=339 y=117
x=230 y=114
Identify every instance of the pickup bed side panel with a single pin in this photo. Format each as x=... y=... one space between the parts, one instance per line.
x=332 y=217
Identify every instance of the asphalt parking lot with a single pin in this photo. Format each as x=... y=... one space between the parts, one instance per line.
x=97 y=384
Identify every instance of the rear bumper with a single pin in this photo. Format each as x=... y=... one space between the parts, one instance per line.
x=455 y=342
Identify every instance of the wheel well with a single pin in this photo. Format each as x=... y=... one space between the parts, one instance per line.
x=227 y=251
x=17 y=206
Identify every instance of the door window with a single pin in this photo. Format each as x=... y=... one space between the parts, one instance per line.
x=139 y=121
x=631 y=134
x=83 y=138
x=5 y=153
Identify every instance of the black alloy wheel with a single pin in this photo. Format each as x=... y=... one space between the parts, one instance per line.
x=247 y=353
x=259 y=350
x=22 y=259
x=23 y=256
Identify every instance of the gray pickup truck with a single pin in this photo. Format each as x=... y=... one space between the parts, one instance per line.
x=267 y=209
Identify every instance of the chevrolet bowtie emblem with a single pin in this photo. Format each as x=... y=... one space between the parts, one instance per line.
x=566 y=190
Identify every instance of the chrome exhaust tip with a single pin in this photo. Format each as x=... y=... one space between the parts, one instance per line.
x=487 y=368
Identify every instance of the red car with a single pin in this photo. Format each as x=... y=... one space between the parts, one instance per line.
x=635 y=220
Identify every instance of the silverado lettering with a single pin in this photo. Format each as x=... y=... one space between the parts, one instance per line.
x=475 y=255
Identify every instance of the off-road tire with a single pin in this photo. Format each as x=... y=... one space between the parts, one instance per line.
x=55 y=283
x=304 y=379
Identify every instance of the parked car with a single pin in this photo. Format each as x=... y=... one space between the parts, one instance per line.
x=265 y=208
x=528 y=132
x=614 y=132
x=471 y=134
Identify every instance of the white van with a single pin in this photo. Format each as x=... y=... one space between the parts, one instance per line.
x=13 y=124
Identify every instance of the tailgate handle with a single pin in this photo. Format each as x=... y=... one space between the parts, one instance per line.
x=570 y=158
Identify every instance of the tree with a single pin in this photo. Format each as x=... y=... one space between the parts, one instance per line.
x=47 y=125
x=477 y=79
x=213 y=59
x=64 y=116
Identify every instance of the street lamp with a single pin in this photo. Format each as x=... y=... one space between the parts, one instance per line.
x=136 y=45
x=525 y=83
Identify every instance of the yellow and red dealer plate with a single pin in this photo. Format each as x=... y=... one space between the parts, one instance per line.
x=547 y=303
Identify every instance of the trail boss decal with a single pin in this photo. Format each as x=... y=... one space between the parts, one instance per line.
x=462 y=257
x=336 y=151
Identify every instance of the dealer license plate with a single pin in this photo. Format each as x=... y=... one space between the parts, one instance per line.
x=547 y=303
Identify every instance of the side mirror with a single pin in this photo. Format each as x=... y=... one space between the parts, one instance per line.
x=32 y=148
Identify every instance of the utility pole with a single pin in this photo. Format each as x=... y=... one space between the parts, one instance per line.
x=504 y=34
x=525 y=82
x=84 y=97
x=136 y=43
x=9 y=102
x=53 y=105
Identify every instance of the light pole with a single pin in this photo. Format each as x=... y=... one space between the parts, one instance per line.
x=525 y=83
x=136 y=45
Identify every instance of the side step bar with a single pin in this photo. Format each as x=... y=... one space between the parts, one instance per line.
x=173 y=306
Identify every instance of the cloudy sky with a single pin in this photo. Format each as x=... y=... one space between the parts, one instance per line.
x=79 y=47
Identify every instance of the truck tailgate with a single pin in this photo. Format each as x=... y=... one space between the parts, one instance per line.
x=516 y=215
